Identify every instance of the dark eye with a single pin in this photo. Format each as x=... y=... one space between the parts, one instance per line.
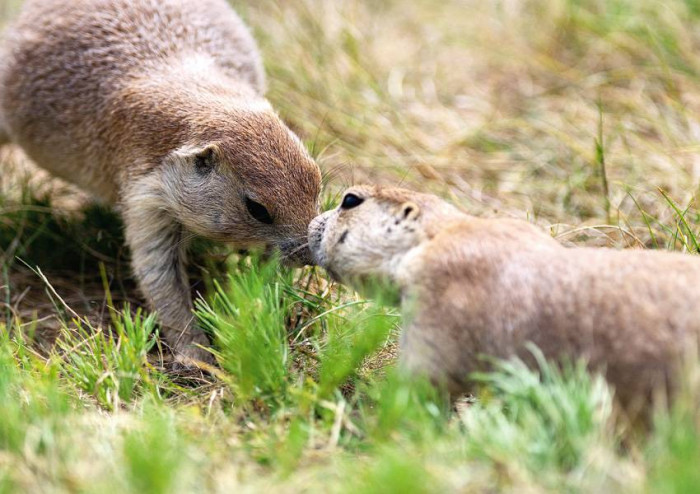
x=204 y=161
x=258 y=211
x=351 y=201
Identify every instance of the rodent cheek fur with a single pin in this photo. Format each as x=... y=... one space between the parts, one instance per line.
x=197 y=204
x=358 y=243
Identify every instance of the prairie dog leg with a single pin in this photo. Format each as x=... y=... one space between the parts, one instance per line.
x=425 y=356
x=158 y=260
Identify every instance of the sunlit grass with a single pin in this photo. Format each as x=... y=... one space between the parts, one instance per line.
x=109 y=366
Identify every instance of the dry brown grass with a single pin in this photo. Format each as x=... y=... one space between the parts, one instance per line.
x=496 y=105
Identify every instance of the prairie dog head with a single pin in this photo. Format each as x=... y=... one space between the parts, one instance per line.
x=372 y=230
x=249 y=182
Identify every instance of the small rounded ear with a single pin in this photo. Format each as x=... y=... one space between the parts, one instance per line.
x=409 y=211
x=204 y=160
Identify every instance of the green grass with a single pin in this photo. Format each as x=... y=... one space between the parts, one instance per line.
x=108 y=367
x=578 y=115
x=313 y=406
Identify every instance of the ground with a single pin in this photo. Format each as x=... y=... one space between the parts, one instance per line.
x=581 y=116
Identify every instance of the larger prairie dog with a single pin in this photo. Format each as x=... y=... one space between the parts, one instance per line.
x=157 y=106
x=473 y=287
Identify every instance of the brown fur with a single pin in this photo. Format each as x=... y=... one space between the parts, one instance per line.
x=127 y=98
x=473 y=287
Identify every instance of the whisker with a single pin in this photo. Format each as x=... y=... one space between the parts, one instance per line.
x=300 y=248
x=299 y=237
x=185 y=239
x=286 y=224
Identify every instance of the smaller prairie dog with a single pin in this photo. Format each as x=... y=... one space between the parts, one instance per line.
x=472 y=287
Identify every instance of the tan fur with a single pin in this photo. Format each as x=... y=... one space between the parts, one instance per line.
x=125 y=98
x=473 y=287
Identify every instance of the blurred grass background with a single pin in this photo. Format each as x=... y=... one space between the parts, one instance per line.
x=578 y=115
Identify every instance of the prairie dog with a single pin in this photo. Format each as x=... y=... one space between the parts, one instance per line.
x=472 y=287
x=157 y=106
